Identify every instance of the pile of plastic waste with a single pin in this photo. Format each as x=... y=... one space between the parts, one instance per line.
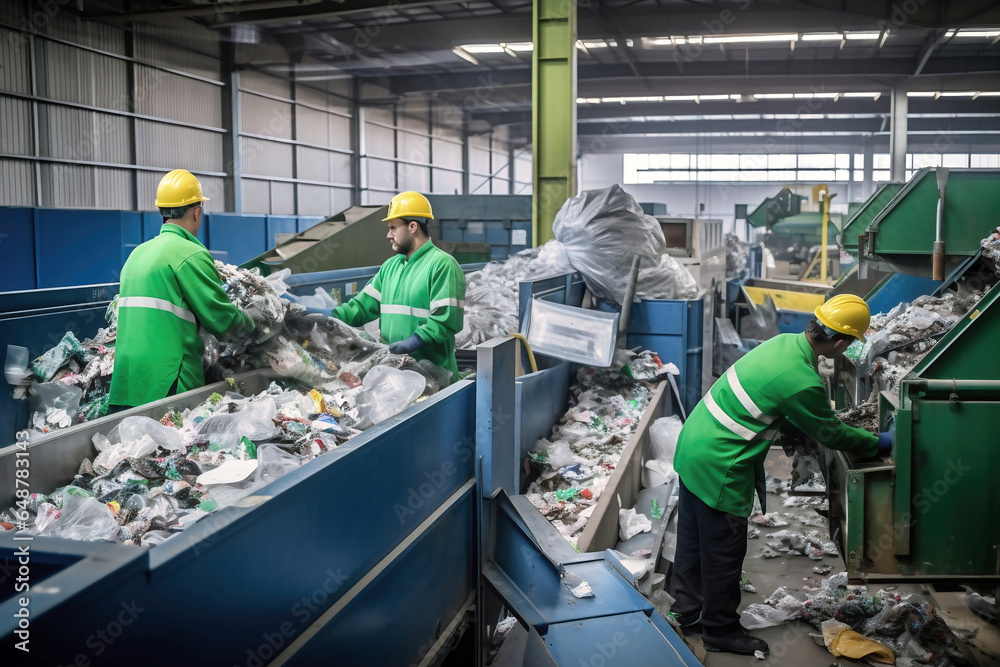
x=69 y=384
x=907 y=626
x=150 y=479
x=597 y=233
x=991 y=249
x=737 y=253
x=899 y=339
x=574 y=464
x=491 y=294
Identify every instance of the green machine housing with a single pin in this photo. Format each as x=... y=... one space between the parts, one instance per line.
x=469 y=227
x=931 y=511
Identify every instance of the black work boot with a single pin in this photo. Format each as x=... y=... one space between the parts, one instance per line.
x=690 y=623
x=736 y=642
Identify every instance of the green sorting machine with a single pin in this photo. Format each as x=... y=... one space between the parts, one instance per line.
x=932 y=510
x=901 y=237
x=472 y=228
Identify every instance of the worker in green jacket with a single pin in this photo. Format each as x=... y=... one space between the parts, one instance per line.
x=418 y=296
x=720 y=462
x=170 y=287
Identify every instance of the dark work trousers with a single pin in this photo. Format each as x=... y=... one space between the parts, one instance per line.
x=708 y=565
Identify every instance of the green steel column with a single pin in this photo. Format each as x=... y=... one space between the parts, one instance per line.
x=553 y=112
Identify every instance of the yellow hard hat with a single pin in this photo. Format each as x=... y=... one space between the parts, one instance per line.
x=178 y=188
x=409 y=204
x=846 y=313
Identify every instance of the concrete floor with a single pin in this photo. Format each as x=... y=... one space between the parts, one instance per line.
x=791 y=644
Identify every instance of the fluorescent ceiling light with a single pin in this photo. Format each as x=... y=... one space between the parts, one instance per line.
x=921 y=94
x=874 y=95
x=482 y=48
x=464 y=55
x=974 y=33
x=862 y=35
x=747 y=39
x=595 y=43
x=518 y=46
x=773 y=96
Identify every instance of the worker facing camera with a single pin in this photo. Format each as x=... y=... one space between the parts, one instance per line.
x=720 y=462
x=418 y=296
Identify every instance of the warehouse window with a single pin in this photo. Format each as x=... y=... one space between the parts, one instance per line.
x=785 y=167
x=736 y=167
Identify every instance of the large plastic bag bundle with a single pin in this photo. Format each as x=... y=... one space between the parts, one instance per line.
x=602 y=231
x=666 y=280
x=83 y=518
x=255 y=421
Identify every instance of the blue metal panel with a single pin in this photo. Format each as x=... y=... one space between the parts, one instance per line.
x=627 y=639
x=496 y=234
x=792 y=321
x=17 y=249
x=475 y=232
x=131 y=232
x=542 y=399
x=151 y=223
x=280 y=224
x=451 y=230
x=673 y=329
x=77 y=247
x=495 y=409
x=311 y=537
x=418 y=595
x=242 y=237
x=499 y=252
x=899 y=288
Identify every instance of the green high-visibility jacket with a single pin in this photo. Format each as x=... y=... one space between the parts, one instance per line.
x=722 y=446
x=169 y=286
x=424 y=294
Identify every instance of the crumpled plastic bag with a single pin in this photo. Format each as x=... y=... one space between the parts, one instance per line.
x=272 y=462
x=133 y=438
x=319 y=299
x=842 y=641
x=84 y=519
x=631 y=523
x=777 y=609
x=666 y=280
x=663 y=438
x=602 y=231
x=255 y=421
x=59 y=401
x=387 y=391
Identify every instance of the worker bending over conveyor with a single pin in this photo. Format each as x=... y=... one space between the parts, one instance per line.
x=720 y=461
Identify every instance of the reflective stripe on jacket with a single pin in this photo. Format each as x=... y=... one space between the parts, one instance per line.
x=722 y=446
x=424 y=294
x=169 y=286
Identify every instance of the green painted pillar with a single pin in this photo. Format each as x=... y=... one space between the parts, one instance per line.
x=553 y=112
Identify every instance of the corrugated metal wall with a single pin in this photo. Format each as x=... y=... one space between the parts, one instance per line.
x=114 y=110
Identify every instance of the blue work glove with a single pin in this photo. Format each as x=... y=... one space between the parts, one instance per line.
x=885 y=440
x=407 y=346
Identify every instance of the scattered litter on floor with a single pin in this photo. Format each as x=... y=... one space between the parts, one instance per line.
x=759 y=655
x=746 y=584
x=886 y=624
x=771 y=520
x=808 y=502
x=752 y=533
x=823 y=569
